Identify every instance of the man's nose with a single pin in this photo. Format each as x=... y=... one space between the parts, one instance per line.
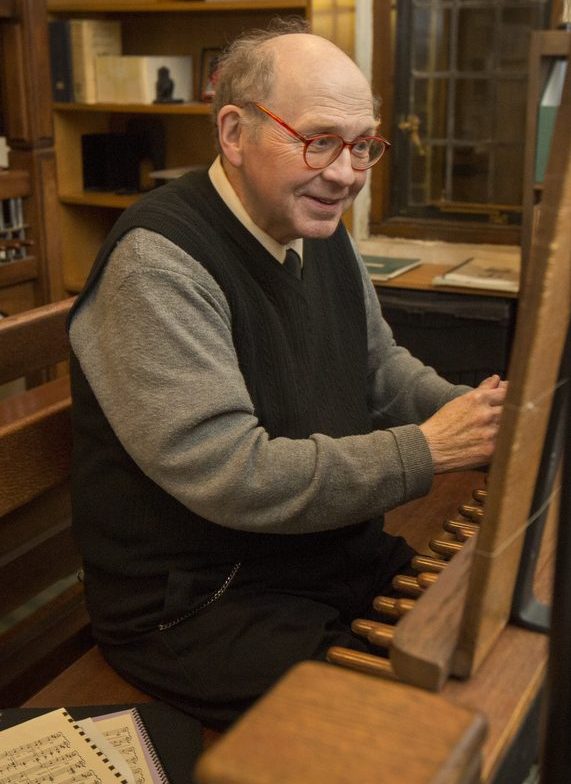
x=340 y=170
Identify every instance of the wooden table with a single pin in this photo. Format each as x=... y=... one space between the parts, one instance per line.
x=420 y=279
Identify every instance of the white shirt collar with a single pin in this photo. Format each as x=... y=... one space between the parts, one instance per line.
x=229 y=196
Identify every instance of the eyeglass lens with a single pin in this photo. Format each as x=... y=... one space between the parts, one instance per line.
x=323 y=150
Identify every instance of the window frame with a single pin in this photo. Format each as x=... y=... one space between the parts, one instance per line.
x=380 y=219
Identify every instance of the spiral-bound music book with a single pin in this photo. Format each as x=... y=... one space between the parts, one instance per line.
x=152 y=743
x=54 y=748
x=124 y=732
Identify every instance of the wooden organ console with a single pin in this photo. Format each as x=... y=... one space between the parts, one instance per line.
x=449 y=660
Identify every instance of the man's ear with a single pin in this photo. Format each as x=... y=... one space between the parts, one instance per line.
x=231 y=133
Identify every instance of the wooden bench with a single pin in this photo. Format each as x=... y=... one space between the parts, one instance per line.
x=47 y=654
x=45 y=627
x=43 y=622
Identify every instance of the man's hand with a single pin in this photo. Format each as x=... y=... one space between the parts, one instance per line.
x=462 y=434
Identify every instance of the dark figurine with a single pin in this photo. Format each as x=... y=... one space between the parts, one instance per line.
x=165 y=87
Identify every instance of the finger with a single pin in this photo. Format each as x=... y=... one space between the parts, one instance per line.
x=495 y=396
x=491 y=382
x=497 y=400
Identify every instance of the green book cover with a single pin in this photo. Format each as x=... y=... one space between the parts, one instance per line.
x=545 y=126
x=547 y=115
x=387 y=267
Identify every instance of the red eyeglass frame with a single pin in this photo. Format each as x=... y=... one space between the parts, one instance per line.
x=306 y=140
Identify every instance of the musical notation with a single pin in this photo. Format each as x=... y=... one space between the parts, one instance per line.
x=52 y=749
x=124 y=731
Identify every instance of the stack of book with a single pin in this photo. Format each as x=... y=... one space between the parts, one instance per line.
x=88 y=66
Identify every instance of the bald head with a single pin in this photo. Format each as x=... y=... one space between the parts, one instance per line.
x=305 y=59
x=285 y=59
x=308 y=67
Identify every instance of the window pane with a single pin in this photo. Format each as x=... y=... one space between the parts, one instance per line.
x=510 y=109
x=473 y=106
x=430 y=104
x=437 y=161
x=431 y=40
x=475 y=36
x=470 y=174
x=418 y=193
x=507 y=182
x=428 y=176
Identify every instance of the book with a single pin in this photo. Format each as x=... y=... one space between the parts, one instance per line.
x=4 y=150
x=166 y=739
x=483 y=272
x=387 y=267
x=53 y=747
x=144 y=79
x=59 y=33
x=90 y=39
x=126 y=735
x=547 y=115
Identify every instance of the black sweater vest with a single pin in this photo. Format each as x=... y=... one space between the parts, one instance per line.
x=302 y=349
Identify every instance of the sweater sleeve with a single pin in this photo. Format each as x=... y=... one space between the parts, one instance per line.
x=400 y=387
x=154 y=341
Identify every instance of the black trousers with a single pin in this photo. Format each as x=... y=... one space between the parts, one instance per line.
x=217 y=662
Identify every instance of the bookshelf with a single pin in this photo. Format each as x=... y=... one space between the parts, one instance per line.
x=29 y=234
x=149 y=27
x=546 y=47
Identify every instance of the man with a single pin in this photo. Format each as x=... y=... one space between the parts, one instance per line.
x=239 y=428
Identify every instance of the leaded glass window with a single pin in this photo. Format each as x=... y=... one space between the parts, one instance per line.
x=460 y=100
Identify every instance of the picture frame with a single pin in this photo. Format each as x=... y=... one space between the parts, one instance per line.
x=208 y=64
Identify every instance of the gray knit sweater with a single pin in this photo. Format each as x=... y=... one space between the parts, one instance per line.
x=214 y=457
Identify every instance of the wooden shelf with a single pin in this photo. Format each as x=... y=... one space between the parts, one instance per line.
x=118 y=201
x=19 y=271
x=26 y=110
x=137 y=108
x=153 y=27
x=14 y=183
x=180 y=6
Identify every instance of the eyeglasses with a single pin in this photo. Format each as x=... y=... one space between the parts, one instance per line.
x=321 y=150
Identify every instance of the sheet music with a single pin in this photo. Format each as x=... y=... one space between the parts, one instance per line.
x=110 y=750
x=121 y=731
x=52 y=749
